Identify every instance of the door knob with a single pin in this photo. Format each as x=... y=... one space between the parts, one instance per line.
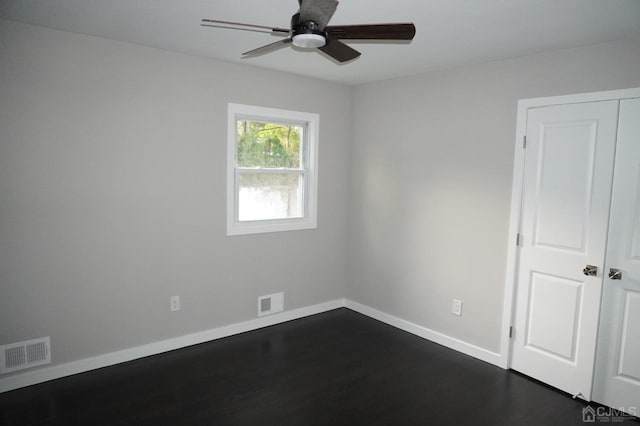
x=615 y=274
x=590 y=270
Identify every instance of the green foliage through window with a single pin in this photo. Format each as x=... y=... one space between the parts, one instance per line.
x=269 y=145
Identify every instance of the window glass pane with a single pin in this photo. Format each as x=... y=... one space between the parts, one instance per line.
x=269 y=145
x=270 y=196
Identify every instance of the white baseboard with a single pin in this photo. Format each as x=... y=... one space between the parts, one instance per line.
x=57 y=371
x=425 y=333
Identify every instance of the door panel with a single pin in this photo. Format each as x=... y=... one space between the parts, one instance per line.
x=617 y=379
x=564 y=194
x=633 y=241
x=629 y=362
x=554 y=304
x=566 y=197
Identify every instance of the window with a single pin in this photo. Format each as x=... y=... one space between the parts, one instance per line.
x=272 y=159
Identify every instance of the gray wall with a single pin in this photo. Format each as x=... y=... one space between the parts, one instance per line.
x=430 y=183
x=112 y=194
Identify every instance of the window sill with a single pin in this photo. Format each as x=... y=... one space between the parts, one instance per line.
x=265 y=226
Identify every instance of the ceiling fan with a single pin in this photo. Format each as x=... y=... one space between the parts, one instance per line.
x=309 y=30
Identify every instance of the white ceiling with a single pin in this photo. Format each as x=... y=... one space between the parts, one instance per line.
x=449 y=33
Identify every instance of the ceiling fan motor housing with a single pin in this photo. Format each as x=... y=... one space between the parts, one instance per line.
x=306 y=34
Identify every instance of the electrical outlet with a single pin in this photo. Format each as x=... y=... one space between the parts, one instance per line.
x=174 y=303
x=456 y=307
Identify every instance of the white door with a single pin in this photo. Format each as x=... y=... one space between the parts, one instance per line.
x=566 y=196
x=617 y=380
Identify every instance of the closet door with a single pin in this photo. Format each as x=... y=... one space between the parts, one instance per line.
x=565 y=213
x=617 y=380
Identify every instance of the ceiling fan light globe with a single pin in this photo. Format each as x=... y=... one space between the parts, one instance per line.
x=309 y=41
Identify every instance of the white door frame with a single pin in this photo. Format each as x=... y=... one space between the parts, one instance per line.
x=516 y=199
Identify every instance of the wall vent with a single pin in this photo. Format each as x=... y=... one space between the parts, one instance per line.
x=270 y=304
x=27 y=354
x=265 y=304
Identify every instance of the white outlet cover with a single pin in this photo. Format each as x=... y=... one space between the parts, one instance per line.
x=456 y=307
x=174 y=303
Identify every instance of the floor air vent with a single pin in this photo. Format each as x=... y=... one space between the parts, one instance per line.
x=29 y=353
x=270 y=304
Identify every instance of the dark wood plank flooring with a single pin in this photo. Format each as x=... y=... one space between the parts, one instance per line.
x=336 y=368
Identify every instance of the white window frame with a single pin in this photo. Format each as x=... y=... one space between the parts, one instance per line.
x=309 y=169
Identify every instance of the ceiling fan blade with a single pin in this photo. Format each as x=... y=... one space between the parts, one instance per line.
x=242 y=26
x=318 y=11
x=338 y=50
x=268 y=48
x=401 y=31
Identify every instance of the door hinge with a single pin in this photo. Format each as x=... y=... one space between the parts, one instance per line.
x=511 y=332
x=518 y=239
x=524 y=142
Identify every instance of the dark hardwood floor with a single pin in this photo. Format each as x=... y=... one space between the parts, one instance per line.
x=336 y=368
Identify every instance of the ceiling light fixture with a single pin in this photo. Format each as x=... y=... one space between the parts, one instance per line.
x=309 y=40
